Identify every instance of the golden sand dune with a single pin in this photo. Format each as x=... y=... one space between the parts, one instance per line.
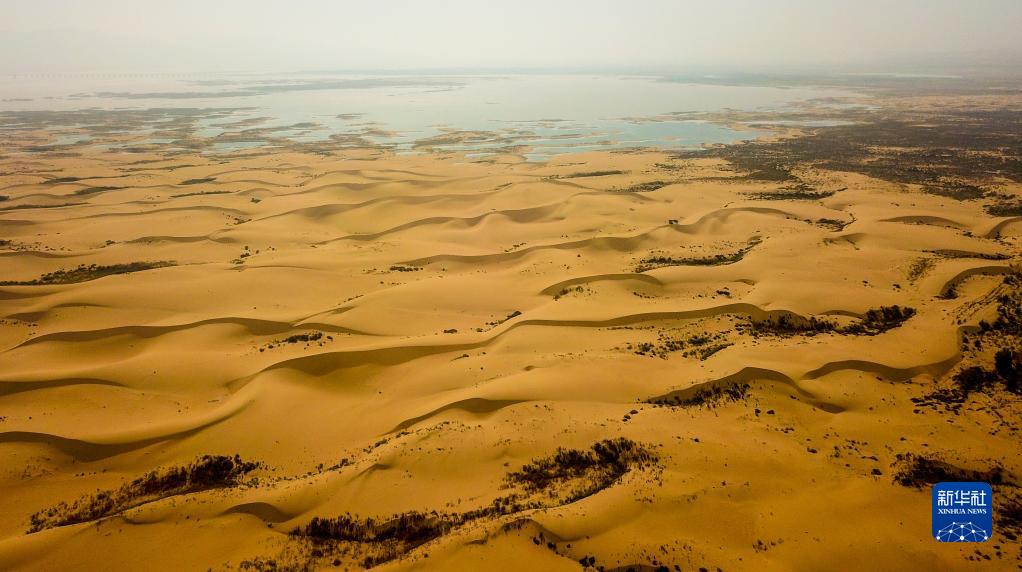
x=401 y=344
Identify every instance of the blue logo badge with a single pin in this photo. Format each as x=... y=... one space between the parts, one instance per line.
x=962 y=512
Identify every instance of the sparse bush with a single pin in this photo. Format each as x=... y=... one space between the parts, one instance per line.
x=85 y=273
x=612 y=456
x=659 y=261
x=880 y=320
x=919 y=471
x=582 y=472
x=198 y=181
x=1008 y=365
x=873 y=322
x=208 y=472
x=710 y=396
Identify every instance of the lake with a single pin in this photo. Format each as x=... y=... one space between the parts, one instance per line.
x=536 y=116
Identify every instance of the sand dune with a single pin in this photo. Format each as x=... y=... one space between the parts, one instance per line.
x=392 y=334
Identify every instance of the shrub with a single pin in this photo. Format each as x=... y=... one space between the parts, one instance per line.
x=85 y=273
x=207 y=472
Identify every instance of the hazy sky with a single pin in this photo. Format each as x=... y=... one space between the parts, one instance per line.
x=263 y=35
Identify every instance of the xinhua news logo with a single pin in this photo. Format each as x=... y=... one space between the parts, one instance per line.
x=962 y=512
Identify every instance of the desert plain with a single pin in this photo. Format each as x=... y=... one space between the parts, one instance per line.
x=756 y=356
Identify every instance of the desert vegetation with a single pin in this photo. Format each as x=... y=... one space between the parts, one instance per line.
x=797 y=192
x=207 y=472
x=653 y=262
x=991 y=357
x=699 y=346
x=918 y=471
x=303 y=338
x=585 y=174
x=198 y=181
x=1005 y=206
x=599 y=467
x=929 y=148
x=646 y=187
x=85 y=273
x=712 y=396
x=566 y=476
x=874 y=321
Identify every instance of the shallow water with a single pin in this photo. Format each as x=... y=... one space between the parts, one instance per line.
x=537 y=116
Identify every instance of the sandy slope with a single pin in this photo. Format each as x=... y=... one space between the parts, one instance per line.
x=104 y=380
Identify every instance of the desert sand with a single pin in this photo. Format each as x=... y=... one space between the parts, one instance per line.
x=368 y=334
